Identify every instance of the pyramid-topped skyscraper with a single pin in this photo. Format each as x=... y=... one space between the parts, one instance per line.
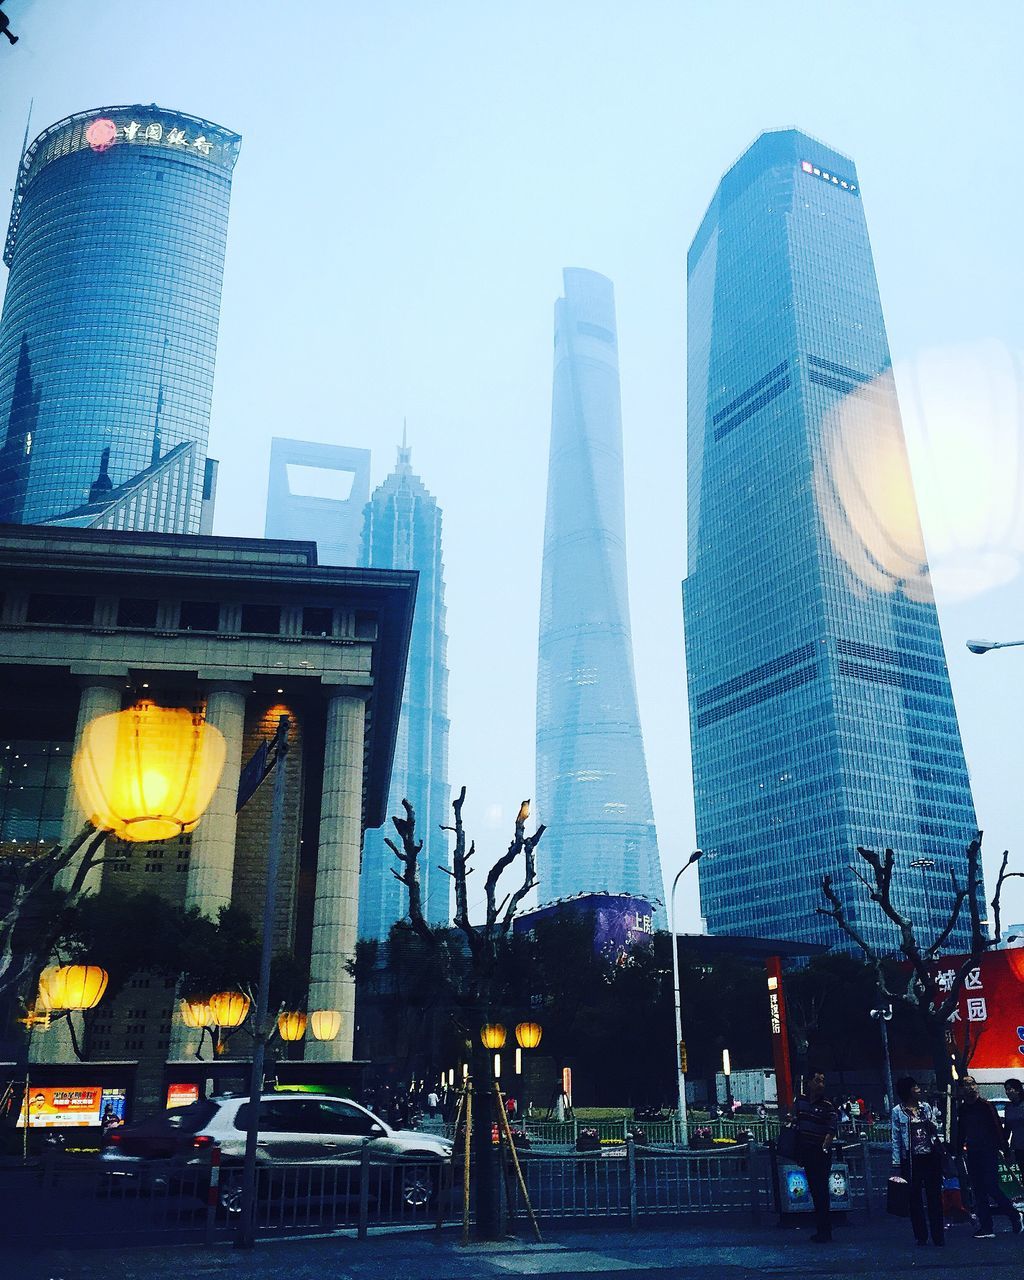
x=402 y=530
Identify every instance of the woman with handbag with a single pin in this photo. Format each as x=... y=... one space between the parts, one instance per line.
x=917 y=1157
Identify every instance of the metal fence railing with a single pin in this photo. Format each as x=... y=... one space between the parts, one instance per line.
x=666 y=1131
x=68 y=1201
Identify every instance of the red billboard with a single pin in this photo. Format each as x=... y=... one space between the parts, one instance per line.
x=990 y=1012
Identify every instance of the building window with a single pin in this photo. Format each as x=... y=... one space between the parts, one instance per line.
x=136 y=613
x=199 y=615
x=317 y=621
x=69 y=611
x=261 y=619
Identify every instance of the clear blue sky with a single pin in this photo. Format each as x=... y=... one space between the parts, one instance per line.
x=414 y=176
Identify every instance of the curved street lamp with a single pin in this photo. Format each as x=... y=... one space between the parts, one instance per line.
x=680 y=1074
x=983 y=646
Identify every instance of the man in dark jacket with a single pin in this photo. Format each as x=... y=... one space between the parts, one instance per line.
x=979 y=1134
x=816 y=1121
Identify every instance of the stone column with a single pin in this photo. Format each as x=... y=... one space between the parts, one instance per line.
x=336 y=903
x=211 y=860
x=100 y=696
x=212 y=855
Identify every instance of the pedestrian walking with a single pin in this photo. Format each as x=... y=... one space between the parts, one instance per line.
x=980 y=1136
x=1013 y=1123
x=816 y=1121
x=917 y=1157
x=432 y=1103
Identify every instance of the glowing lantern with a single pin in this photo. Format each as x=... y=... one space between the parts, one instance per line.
x=291 y=1026
x=72 y=986
x=325 y=1023
x=1015 y=959
x=528 y=1034
x=148 y=773
x=51 y=989
x=229 y=1008
x=492 y=1035
x=196 y=1013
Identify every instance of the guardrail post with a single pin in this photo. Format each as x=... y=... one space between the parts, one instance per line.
x=754 y=1165
x=364 y=1188
x=575 y=1131
x=631 y=1168
x=869 y=1189
x=212 y=1194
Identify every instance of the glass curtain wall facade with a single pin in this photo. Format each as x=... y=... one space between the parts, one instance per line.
x=402 y=530
x=592 y=785
x=821 y=714
x=108 y=337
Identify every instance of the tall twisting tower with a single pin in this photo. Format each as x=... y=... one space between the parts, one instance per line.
x=592 y=784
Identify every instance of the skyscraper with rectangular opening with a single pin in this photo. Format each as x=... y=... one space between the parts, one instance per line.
x=592 y=786
x=108 y=339
x=821 y=714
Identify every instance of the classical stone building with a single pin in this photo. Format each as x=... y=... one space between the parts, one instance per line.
x=93 y=621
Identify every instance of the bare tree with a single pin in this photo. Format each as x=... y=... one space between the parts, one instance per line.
x=23 y=949
x=474 y=991
x=920 y=988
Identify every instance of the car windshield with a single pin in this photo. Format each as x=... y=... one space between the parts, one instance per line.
x=188 y=1119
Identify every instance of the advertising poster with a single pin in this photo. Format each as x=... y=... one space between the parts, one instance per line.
x=55 y=1108
x=181 y=1095
x=989 y=1017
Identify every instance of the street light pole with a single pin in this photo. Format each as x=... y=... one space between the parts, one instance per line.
x=247 y=1225
x=680 y=1074
x=985 y=646
x=884 y=1017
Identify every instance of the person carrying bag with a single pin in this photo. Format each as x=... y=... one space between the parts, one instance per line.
x=917 y=1155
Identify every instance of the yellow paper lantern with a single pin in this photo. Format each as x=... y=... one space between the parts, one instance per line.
x=492 y=1035
x=148 y=773
x=528 y=1034
x=325 y=1023
x=291 y=1026
x=229 y=1008
x=72 y=986
x=196 y=1013
x=51 y=988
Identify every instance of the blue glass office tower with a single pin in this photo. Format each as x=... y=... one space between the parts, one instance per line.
x=592 y=787
x=820 y=707
x=402 y=530
x=109 y=331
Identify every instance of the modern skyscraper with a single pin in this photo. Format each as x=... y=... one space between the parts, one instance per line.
x=318 y=492
x=592 y=787
x=821 y=714
x=108 y=337
x=402 y=530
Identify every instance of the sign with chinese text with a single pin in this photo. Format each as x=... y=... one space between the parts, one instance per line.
x=990 y=1011
x=51 y=1108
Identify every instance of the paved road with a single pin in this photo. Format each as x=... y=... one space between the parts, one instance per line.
x=864 y=1251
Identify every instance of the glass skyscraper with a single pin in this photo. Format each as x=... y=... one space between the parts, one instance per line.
x=592 y=786
x=402 y=530
x=821 y=714
x=108 y=336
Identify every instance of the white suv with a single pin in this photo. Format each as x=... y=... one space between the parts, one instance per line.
x=292 y=1126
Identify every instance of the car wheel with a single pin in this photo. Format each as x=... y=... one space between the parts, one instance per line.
x=419 y=1187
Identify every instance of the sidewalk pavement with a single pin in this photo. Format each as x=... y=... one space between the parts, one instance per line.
x=864 y=1250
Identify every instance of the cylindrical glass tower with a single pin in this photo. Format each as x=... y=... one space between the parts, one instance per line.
x=108 y=337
